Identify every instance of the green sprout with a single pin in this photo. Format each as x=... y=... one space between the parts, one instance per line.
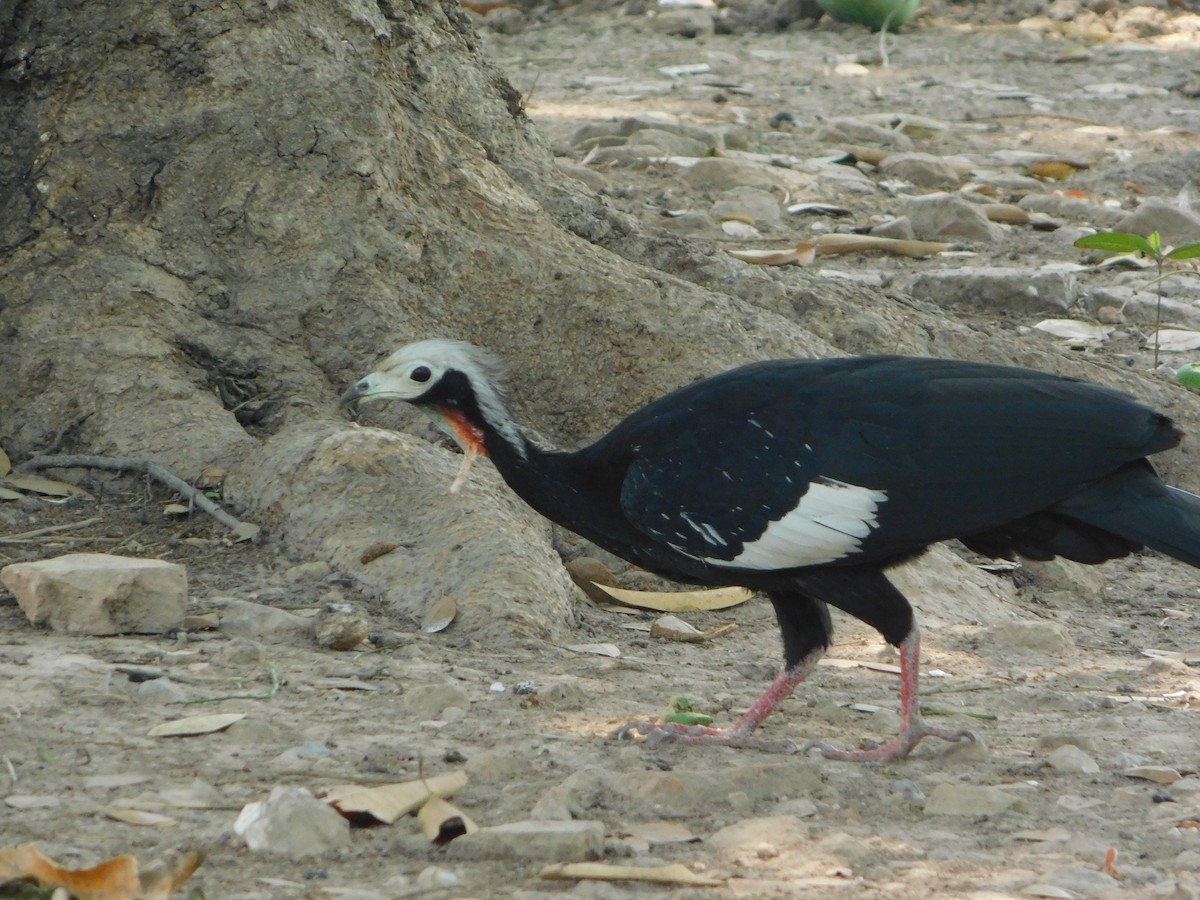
x=1152 y=248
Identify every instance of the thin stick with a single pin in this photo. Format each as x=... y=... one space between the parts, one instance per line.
x=131 y=464
x=38 y=532
x=262 y=696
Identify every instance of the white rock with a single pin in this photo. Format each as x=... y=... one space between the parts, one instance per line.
x=772 y=834
x=97 y=593
x=293 y=823
x=430 y=700
x=1029 y=638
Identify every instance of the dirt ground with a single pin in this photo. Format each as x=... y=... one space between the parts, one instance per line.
x=73 y=723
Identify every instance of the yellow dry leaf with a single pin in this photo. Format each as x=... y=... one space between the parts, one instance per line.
x=442 y=821
x=831 y=244
x=676 y=873
x=40 y=484
x=680 y=601
x=439 y=616
x=1054 y=169
x=6 y=494
x=388 y=802
x=114 y=879
x=5 y=463
x=131 y=816
x=194 y=725
x=800 y=255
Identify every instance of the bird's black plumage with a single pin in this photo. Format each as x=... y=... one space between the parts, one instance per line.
x=807 y=479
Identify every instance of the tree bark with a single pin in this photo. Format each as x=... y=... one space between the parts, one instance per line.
x=216 y=216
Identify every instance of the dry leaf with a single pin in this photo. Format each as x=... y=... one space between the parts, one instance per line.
x=1074 y=330
x=680 y=601
x=817 y=209
x=115 y=879
x=673 y=628
x=736 y=228
x=1157 y=774
x=831 y=244
x=175 y=509
x=388 y=802
x=439 y=616
x=660 y=833
x=40 y=484
x=442 y=822
x=610 y=650
x=245 y=531
x=375 y=551
x=6 y=494
x=5 y=463
x=194 y=725
x=800 y=255
x=1054 y=169
x=1174 y=340
x=131 y=816
x=676 y=873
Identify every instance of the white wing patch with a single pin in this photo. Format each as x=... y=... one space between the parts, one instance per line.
x=830 y=522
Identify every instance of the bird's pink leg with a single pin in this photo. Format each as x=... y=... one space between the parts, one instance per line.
x=740 y=734
x=912 y=726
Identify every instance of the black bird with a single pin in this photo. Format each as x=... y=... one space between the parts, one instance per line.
x=808 y=479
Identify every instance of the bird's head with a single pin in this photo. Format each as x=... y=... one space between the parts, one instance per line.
x=455 y=384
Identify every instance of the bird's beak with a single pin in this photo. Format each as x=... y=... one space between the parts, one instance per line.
x=360 y=390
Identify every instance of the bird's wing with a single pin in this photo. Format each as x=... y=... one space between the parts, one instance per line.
x=778 y=468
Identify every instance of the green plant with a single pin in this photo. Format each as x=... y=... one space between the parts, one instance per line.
x=1152 y=248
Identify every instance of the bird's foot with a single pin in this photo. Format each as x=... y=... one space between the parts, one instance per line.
x=663 y=732
x=897 y=748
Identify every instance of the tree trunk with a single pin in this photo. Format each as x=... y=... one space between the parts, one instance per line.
x=217 y=216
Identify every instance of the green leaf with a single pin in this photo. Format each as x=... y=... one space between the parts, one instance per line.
x=1115 y=242
x=1155 y=241
x=1189 y=375
x=1185 y=251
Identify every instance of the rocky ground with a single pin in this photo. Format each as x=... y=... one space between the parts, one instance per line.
x=1083 y=782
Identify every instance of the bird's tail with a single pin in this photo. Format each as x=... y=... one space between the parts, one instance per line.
x=1136 y=505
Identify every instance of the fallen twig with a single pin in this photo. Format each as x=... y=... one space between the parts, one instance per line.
x=264 y=696
x=38 y=532
x=145 y=467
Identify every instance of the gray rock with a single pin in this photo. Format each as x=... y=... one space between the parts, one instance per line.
x=721 y=174
x=761 y=206
x=997 y=289
x=293 y=823
x=97 y=593
x=596 y=181
x=922 y=169
x=1055 y=740
x=431 y=878
x=429 y=701
x=768 y=835
x=1073 y=208
x=309 y=571
x=1029 y=638
x=544 y=841
x=969 y=800
x=670 y=143
x=1064 y=575
x=856 y=131
x=1069 y=758
x=899 y=228
x=241 y=618
x=688 y=23
x=1176 y=224
x=948 y=217
x=160 y=690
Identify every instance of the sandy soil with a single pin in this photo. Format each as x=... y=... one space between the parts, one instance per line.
x=71 y=718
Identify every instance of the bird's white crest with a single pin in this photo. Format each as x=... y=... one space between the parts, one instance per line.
x=414 y=369
x=830 y=522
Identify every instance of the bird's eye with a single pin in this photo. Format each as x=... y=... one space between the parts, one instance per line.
x=421 y=374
